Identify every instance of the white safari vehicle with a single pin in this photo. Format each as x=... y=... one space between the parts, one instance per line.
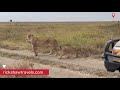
x=111 y=55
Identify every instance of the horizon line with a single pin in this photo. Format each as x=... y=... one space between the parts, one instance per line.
x=56 y=21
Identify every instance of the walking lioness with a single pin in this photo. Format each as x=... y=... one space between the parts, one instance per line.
x=50 y=43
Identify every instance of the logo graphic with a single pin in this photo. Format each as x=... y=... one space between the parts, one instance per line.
x=113 y=15
x=3 y=66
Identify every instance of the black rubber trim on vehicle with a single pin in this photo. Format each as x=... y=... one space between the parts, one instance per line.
x=111 y=66
x=108 y=44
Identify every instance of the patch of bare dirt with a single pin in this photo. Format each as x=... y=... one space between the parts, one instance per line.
x=89 y=65
x=55 y=72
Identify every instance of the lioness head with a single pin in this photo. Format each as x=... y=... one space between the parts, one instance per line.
x=29 y=38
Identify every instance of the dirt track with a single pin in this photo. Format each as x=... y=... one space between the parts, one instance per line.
x=54 y=71
x=79 y=67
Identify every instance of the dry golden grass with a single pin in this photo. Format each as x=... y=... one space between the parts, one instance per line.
x=89 y=36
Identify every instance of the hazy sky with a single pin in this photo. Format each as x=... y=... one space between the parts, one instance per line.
x=57 y=16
